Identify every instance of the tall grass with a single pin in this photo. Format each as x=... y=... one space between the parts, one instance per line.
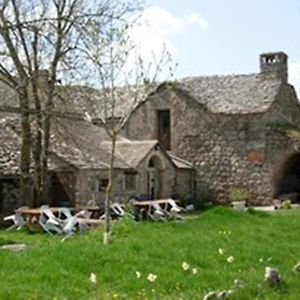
x=49 y=269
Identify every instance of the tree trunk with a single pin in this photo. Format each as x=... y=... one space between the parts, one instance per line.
x=108 y=192
x=37 y=147
x=46 y=144
x=25 y=181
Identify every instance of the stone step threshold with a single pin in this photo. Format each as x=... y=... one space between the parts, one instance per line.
x=272 y=207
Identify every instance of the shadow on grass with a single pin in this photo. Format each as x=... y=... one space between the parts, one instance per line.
x=6 y=242
x=258 y=213
x=281 y=291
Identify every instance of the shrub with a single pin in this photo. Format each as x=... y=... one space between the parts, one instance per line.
x=286 y=204
x=238 y=194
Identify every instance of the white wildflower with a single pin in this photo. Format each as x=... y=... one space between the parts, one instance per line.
x=93 y=278
x=238 y=284
x=151 y=277
x=138 y=274
x=185 y=266
x=221 y=251
x=230 y=259
x=194 y=271
x=296 y=267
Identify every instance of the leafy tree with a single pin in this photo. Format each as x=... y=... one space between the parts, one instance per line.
x=40 y=35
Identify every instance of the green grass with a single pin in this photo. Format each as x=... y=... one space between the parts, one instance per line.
x=49 y=269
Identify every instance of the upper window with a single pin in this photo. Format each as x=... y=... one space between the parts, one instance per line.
x=164 y=128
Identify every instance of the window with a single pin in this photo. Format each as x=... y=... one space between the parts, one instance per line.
x=130 y=181
x=164 y=128
x=103 y=183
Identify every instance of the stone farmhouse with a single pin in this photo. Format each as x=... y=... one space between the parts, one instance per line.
x=189 y=139
x=237 y=130
x=79 y=159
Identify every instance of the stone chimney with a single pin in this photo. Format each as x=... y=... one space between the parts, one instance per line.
x=274 y=65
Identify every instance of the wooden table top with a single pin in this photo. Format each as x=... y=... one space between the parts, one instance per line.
x=36 y=211
x=89 y=208
x=150 y=202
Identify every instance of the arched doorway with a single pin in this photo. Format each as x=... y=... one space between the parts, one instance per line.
x=287 y=179
x=155 y=167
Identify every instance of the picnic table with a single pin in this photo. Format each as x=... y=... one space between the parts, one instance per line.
x=32 y=214
x=141 y=207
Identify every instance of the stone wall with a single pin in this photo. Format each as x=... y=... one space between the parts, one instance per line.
x=184 y=189
x=227 y=150
x=88 y=187
x=10 y=197
x=87 y=181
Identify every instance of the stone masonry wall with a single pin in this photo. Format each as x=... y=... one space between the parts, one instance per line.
x=88 y=189
x=10 y=197
x=227 y=150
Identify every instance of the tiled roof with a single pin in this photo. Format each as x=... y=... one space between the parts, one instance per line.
x=88 y=102
x=179 y=162
x=79 y=143
x=75 y=144
x=231 y=94
x=131 y=152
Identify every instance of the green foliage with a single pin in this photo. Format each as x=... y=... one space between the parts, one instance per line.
x=238 y=194
x=257 y=213
x=49 y=269
x=286 y=126
x=290 y=129
x=286 y=204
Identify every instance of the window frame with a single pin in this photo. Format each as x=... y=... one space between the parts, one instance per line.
x=102 y=184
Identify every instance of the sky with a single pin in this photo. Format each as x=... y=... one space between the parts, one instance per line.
x=208 y=37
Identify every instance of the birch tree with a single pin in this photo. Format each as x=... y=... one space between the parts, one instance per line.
x=124 y=78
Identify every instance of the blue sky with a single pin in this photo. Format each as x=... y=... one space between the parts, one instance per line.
x=223 y=36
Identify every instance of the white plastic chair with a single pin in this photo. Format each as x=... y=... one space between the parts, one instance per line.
x=83 y=220
x=117 y=209
x=70 y=227
x=49 y=222
x=71 y=223
x=175 y=210
x=155 y=212
x=64 y=213
x=17 y=219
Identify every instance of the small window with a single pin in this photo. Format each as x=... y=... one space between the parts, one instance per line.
x=103 y=183
x=130 y=181
x=164 y=128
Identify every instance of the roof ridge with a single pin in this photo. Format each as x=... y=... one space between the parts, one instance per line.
x=179 y=158
x=213 y=76
x=231 y=94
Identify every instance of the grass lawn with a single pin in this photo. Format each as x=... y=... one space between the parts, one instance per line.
x=49 y=269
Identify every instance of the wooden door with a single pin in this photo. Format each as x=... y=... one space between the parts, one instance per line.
x=63 y=184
